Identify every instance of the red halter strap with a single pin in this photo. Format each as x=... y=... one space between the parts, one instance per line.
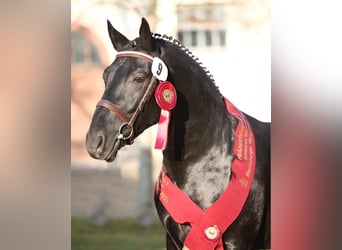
x=128 y=121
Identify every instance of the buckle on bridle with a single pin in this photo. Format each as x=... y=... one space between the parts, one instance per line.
x=121 y=135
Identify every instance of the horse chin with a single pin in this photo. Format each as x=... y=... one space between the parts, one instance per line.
x=112 y=154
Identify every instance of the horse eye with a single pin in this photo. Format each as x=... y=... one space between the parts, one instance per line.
x=138 y=79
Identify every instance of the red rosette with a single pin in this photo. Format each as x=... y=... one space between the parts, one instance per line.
x=166 y=95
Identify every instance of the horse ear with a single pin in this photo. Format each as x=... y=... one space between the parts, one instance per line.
x=118 y=40
x=146 y=35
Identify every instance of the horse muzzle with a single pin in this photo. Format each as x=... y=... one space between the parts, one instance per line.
x=100 y=147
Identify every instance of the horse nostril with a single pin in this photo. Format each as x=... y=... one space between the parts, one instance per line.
x=100 y=144
x=96 y=144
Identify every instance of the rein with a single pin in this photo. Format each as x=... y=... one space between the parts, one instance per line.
x=128 y=122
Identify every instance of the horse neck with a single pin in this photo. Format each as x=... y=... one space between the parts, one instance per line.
x=200 y=128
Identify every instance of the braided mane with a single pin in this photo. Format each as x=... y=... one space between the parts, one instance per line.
x=178 y=44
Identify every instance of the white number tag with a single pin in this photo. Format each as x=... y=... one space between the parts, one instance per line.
x=159 y=69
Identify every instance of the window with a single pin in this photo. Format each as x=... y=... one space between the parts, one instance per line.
x=222 y=35
x=203 y=38
x=193 y=38
x=208 y=41
x=83 y=50
x=202 y=25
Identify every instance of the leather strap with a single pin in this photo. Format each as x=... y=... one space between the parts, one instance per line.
x=135 y=54
x=114 y=109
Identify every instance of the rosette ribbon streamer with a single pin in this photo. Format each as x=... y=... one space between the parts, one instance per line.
x=166 y=98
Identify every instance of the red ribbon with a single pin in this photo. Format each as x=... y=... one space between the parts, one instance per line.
x=166 y=98
x=163 y=127
x=207 y=226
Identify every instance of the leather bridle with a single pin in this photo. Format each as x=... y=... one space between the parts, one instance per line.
x=128 y=121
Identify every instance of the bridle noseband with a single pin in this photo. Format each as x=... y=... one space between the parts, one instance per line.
x=128 y=122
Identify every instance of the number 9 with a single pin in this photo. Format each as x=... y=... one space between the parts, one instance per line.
x=160 y=68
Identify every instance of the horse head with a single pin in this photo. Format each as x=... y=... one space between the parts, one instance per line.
x=126 y=108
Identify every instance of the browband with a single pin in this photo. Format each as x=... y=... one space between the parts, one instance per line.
x=135 y=54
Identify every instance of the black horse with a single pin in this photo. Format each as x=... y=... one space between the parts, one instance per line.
x=199 y=153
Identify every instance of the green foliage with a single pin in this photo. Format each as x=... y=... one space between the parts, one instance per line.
x=119 y=234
